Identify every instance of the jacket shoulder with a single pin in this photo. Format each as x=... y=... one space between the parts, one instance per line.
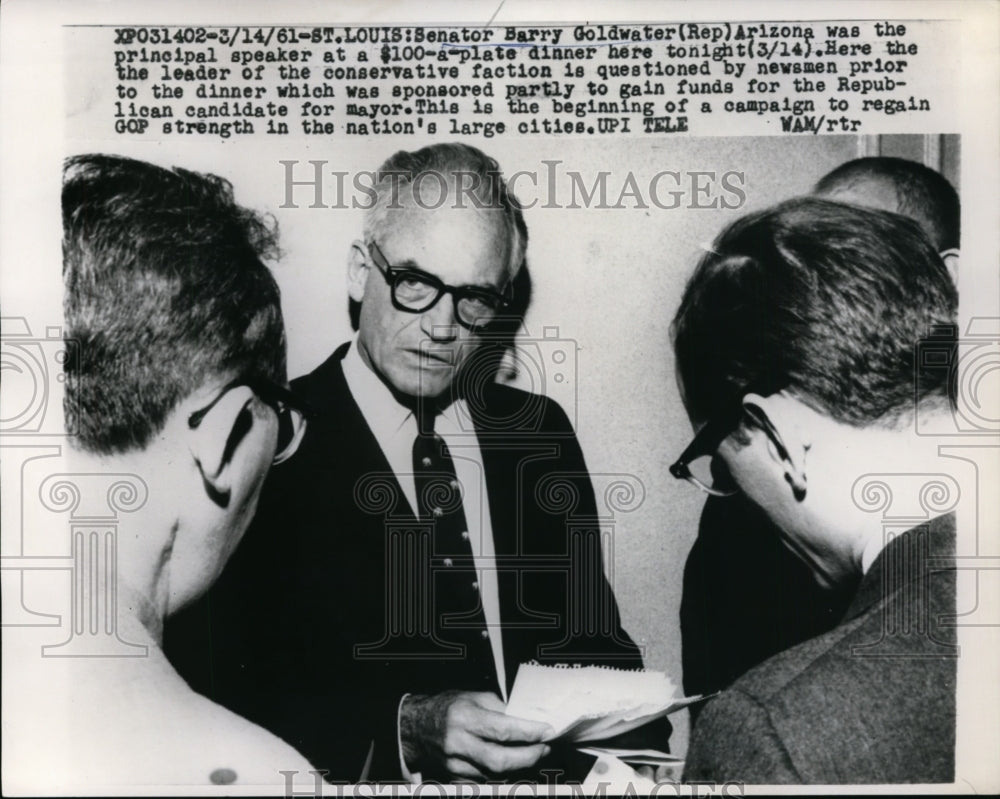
x=316 y=386
x=499 y=408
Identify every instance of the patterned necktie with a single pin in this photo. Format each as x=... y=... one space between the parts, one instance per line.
x=457 y=606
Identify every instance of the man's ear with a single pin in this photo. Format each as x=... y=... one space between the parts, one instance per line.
x=781 y=419
x=216 y=439
x=951 y=258
x=358 y=269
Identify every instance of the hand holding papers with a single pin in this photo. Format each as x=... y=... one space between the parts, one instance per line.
x=592 y=703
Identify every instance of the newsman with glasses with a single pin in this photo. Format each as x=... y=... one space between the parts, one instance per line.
x=730 y=620
x=180 y=384
x=798 y=362
x=388 y=597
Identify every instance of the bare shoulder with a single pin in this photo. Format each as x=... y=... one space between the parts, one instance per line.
x=229 y=750
x=136 y=726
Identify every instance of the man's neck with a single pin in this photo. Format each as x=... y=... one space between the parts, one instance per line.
x=143 y=537
x=139 y=617
x=901 y=462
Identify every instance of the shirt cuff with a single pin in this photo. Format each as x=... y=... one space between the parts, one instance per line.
x=409 y=776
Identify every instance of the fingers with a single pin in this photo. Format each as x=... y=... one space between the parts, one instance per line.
x=496 y=759
x=469 y=735
x=668 y=772
x=488 y=701
x=458 y=768
x=495 y=725
x=481 y=740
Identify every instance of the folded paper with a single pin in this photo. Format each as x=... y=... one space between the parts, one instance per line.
x=592 y=703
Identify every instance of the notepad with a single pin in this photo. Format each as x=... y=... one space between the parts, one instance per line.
x=592 y=703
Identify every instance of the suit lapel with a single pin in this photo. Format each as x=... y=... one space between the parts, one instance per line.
x=339 y=439
x=503 y=459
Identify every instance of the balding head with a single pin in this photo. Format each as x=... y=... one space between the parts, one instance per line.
x=903 y=187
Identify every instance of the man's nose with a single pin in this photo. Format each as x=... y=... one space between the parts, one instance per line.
x=440 y=322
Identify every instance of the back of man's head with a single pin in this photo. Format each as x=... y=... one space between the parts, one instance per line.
x=905 y=187
x=824 y=300
x=165 y=291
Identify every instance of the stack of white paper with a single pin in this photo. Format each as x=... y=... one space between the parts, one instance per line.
x=592 y=703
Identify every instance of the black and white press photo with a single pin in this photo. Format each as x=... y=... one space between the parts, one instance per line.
x=471 y=401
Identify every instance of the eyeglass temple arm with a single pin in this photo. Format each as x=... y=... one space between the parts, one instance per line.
x=267 y=388
x=708 y=438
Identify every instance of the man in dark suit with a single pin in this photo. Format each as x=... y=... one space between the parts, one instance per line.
x=798 y=359
x=435 y=529
x=730 y=620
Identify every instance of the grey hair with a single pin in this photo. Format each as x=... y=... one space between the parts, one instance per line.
x=467 y=175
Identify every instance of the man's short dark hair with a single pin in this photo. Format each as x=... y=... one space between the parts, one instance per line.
x=164 y=290
x=822 y=299
x=921 y=193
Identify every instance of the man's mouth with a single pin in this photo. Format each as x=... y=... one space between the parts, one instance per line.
x=434 y=360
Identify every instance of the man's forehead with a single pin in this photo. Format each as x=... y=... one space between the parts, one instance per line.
x=437 y=196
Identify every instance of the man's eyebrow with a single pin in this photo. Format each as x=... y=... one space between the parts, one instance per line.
x=411 y=264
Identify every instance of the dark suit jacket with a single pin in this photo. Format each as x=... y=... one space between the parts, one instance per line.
x=872 y=701
x=311 y=630
x=746 y=597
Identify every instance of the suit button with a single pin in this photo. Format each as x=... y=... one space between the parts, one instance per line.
x=475 y=586
x=426 y=461
x=465 y=535
x=438 y=513
x=484 y=634
x=449 y=562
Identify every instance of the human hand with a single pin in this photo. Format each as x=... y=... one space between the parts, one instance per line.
x=666 y=772
x=466 y=735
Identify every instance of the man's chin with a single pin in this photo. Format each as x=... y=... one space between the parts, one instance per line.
x=424 y=383
x=432 y=389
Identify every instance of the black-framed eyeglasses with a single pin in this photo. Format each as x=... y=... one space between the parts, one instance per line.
x=292 y=412
x=416 y=291
x=697 y=463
